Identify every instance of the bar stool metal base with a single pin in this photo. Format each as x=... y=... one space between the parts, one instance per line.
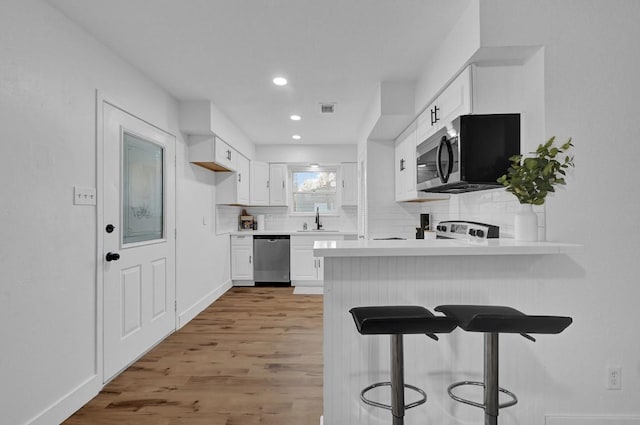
x=397 y=385
x=513 y=401
x=423 y=398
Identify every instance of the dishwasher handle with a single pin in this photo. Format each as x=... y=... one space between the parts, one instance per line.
x=271 y=238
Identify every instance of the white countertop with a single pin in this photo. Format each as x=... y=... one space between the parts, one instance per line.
x=290 y=232
x=438 y=247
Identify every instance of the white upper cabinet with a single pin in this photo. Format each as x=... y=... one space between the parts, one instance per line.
x=454 y=100
x=234 y=188
x=212 y=153
x=278 y=184
x=476 y=90
x=349 y=183
x=259 y=183
x=406 y=171
x=405 y=165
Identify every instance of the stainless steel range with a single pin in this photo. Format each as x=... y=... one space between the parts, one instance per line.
x=467 y=230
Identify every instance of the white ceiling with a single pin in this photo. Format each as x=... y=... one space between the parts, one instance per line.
x=227 y=51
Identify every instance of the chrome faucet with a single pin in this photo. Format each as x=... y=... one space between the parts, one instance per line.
x=318 y=225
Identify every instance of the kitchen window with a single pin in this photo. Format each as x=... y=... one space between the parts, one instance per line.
x=314 y=188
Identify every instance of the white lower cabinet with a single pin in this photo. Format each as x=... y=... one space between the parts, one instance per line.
x=242 y=260
x=306 y=269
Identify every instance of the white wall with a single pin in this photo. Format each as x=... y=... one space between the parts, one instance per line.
x=323 y=154
x=591 y=94
x=50 y=69
x=453 y=54
x=580 y=84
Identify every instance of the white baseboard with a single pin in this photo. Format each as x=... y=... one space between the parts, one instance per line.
x=244 y=283
x=204 y=302
x=308 y=290
x=592 y=420
x=68 y=404
x=307 y=283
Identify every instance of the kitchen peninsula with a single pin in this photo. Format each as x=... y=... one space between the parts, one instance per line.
x=525 y=275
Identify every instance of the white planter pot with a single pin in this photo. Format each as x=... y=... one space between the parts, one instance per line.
x=526 y=224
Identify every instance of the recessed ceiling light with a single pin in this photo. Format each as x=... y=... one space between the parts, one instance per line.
x=296 y=137
x=280 y=81
x=295 y=117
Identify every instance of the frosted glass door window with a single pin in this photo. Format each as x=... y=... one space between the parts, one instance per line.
x=142 y=190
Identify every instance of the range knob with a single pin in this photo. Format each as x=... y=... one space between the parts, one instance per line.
x=442 y=228
x=472 y=232
x=480 y=233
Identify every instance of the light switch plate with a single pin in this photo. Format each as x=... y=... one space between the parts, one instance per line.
x=84 y=195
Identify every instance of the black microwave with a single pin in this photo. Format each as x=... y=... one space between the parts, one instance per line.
x=469 y=154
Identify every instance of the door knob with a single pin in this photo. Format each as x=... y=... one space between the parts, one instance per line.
x=112 y=256
x=110 y=228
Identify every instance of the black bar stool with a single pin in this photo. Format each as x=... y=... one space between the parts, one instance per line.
x=397 y=321
x=494 y=320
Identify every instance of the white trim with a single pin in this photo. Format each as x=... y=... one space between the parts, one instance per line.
x=308 y=290
x=314 y=283
x=204 y=302
x=591 y=420
x=67 y=405
x=99 y=354
x=101 y=100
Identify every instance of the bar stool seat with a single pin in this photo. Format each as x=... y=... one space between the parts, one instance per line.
x=492 y=321
x=501 y=319
x=397 y=321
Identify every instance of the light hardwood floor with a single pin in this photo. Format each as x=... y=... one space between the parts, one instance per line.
x=253 y=357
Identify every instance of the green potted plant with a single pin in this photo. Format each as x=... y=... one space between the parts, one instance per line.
x=531 y=177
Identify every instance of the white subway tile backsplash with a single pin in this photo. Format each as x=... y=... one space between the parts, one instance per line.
x=496 y=206
x=393 y=219
x=278 y=218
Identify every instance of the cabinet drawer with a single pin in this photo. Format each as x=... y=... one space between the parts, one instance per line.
x=241 y=240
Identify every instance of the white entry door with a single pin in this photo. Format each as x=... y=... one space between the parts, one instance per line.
x=139 y=237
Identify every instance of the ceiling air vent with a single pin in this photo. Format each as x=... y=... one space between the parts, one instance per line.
x=327 y=108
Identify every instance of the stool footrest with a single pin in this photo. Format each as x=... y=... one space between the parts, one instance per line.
x=422 y=399
x=509 y=403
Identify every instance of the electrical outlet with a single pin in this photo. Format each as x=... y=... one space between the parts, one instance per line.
x=614 y=378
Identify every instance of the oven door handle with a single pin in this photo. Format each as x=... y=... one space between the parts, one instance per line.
x=444 y=176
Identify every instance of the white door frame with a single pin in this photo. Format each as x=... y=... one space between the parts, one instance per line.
x=101 y=99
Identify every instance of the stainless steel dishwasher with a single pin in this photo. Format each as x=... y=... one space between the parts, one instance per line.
x=271 y=259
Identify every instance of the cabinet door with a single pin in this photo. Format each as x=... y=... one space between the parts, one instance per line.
x=399 y=168
x=203 y=152
x=409 y=177
x=349 y=183
x=224 y=154
x=455 y=100
x=259 y=183
x=405 y=163
x=242 y=258
x=277 y=184
x=428 y=122
x=320 y=268
x=303 y=263
x=243 y=186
